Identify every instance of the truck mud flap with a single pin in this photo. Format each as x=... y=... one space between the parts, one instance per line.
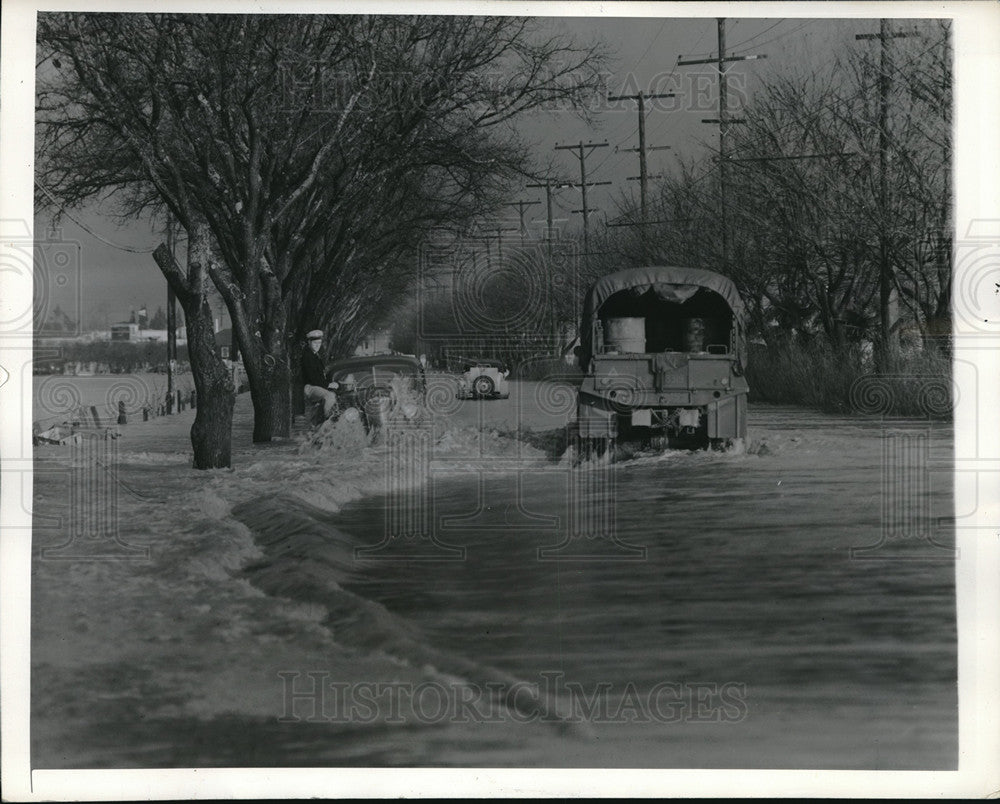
x=727 y=417
x=596 y=422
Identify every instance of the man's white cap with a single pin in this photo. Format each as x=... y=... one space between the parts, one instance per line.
x=314 y=333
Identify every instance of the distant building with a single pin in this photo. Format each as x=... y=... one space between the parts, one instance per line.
x=153 y=335
x=125 y=331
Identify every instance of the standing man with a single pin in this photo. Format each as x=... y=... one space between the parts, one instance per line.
x=317 y=387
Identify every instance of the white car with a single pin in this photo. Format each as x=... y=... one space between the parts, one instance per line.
x=483 y=379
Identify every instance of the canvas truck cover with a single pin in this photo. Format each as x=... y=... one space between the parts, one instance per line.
x=670 y=283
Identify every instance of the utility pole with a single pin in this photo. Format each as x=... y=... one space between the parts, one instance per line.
x=486 y=238
x=521 y=207
x=500 y=230
x=584 y=183
x=171 y=316
x=886 y=278
x=643 y=176
x=549 y=186
x=724 y=121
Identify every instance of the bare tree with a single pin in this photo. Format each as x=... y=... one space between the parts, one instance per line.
x=211 y=433
x=290 y=135
x=804 y=205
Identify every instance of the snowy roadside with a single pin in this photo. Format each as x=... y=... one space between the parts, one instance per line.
x=205 y=652
x=131 y=654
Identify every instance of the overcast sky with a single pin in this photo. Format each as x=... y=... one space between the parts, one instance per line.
x=115 y=281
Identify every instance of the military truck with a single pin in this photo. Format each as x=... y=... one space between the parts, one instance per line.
x=664 y=354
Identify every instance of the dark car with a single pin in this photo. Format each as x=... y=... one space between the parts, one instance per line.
x=366 y=383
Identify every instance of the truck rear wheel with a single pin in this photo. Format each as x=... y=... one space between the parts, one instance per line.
x=734 y=446
x=660 y=443
x=589 y=450
x=599 y=449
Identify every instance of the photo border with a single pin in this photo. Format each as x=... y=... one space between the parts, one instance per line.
x=976 y=77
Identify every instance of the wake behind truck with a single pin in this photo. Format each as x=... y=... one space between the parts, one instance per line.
x=663 y=350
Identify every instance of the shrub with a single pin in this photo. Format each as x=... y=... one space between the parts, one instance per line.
x=816 y=376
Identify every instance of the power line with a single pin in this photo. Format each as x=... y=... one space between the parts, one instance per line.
x=666 y=126
x=899 y=67
x=794 y=30
x=756 y=36
x=673 y=71
x=666 y=123
x=87 y=229
x=724 y=122
x=895 y=70
x=668 y=120
x=653 y=40
x=738 y=160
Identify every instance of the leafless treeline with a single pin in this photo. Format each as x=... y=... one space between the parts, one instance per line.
x=306 y=157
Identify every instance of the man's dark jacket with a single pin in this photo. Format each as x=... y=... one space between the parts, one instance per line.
x=313 y=370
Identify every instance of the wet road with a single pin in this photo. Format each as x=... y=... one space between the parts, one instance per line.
x=788 y=608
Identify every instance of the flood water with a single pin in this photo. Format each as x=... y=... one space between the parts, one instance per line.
x=793 y=608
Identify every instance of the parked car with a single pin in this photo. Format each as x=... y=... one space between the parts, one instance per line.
x=483 y=379
x=366 y=383
x=664 y=353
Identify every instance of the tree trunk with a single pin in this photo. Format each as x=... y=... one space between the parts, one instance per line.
x=270 y=390
x=272 y=400
x=211 y=433
x=259 y=319
x=281 y=389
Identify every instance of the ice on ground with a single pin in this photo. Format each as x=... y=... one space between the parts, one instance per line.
x=154 y=458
